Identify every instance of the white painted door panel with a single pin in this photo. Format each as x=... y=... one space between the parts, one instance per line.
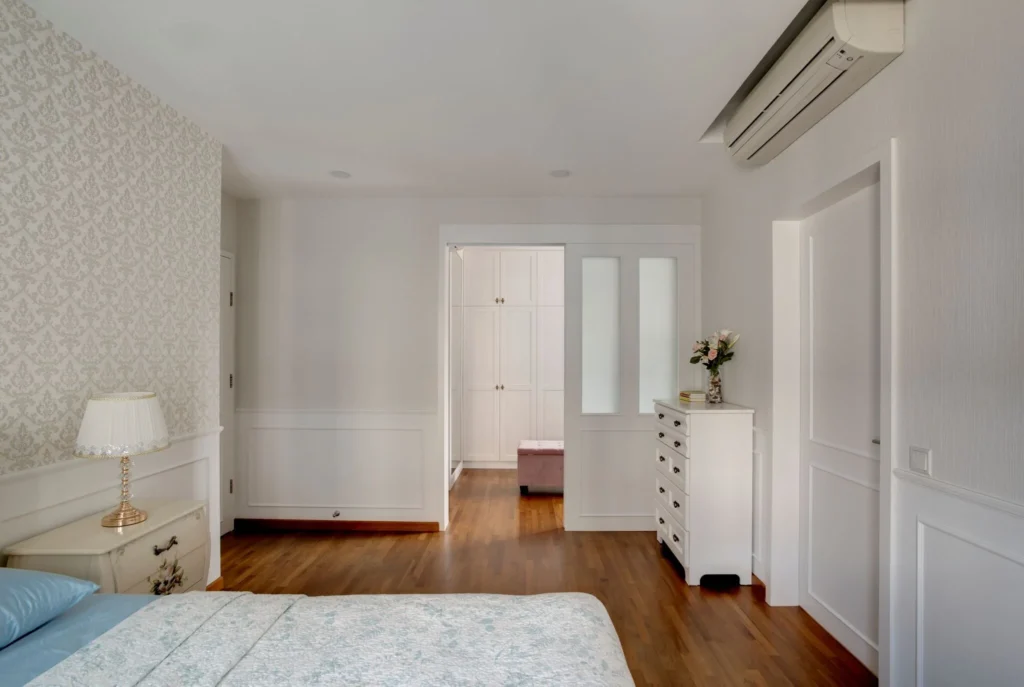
x=516 y=421
x=517 y=376
x=550 y=371
x=481 y=371
x=480 y=276
x=518 y=277
x=839 y=583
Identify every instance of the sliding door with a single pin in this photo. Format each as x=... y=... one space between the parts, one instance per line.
x=630 y=319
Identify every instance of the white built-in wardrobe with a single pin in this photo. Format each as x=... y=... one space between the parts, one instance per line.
x=513 y=316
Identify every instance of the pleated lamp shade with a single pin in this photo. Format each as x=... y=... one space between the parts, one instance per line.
x=126 y=423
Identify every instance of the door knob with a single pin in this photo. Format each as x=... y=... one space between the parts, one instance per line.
x=877 y=442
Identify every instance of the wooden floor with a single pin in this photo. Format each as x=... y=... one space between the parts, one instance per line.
x=672 y=634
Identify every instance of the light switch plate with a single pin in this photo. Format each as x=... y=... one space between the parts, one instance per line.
x=921 y=460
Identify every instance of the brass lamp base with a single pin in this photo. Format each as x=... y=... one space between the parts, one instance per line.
x=122 y=516
x=125 y=514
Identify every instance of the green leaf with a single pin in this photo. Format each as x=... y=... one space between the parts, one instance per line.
x=694 y=360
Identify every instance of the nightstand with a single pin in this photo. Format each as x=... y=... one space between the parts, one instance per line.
x=167 y=554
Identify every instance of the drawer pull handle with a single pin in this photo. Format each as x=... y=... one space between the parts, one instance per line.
x=661 y=459
x=661 y=490
x=661 y=521
x=675 y=538
x=675 y=470
x=172 y=542
x=676 y=423
x=675 y=504
x=677 y=444
x=661 y=416
x=661 y=435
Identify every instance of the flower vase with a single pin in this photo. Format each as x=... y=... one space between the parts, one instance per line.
x=714 y=386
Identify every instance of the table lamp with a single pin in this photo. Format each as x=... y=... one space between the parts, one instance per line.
x=122 y=425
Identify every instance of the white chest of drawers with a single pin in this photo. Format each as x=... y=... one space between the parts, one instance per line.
x=167 y=554
x=704 y=487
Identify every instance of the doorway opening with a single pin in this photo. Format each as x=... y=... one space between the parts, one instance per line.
x=506 y=355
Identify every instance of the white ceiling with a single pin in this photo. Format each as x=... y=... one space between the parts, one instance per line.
x=443 y=97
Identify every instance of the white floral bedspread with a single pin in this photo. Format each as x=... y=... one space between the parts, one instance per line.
x=240 y=639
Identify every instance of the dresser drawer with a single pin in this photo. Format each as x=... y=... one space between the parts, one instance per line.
x=679 y=541
x=661 y=523
x=679 y=507
x=175 y=575
x=675 y=421
x=661 y=492
x=142 y=558
x=679 y=473
x=675 y=441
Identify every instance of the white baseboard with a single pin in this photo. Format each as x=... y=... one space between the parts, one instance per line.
x=489 y=465
x=612 y=523
x=958 y=568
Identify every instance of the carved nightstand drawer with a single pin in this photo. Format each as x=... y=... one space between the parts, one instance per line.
x=144 y=557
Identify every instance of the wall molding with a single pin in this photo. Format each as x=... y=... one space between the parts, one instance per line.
x=848 y=478
x=961 y=493
x=78 y=463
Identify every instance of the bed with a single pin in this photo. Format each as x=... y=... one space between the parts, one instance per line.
x=236 y=638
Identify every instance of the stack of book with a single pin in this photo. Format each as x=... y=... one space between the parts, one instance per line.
x=691 y=397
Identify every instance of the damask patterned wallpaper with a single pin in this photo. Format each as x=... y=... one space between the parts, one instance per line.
x=109 y=245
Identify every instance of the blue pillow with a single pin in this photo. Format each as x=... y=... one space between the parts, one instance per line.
x=29 y=598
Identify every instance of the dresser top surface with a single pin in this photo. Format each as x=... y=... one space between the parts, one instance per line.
x=724 y=408
x=87 y=536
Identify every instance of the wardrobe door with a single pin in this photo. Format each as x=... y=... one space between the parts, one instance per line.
x=518 y=374
x=481 y=276
x=482 y=386
x=550 y=371
x=551 y=277
x=518 y=277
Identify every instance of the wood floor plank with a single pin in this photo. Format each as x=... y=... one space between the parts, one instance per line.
x=501 y=543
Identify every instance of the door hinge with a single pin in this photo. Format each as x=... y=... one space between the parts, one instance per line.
x=231 y=299
x=231 y=486
x=231 y=381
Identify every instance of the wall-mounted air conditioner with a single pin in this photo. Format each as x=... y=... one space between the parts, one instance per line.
x=844 y=46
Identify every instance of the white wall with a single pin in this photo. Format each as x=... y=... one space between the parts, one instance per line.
x=959 y=289
x=338 y=313
x=229 y=206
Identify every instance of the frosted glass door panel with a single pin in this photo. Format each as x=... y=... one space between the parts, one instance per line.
x=658 y=344
x=600 y=335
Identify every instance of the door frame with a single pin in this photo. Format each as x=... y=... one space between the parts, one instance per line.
x=512 y=235
x=227 y=506
x=785 y=565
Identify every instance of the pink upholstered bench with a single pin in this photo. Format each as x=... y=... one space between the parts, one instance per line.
x=541 y=464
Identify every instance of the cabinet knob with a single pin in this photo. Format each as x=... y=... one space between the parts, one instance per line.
x=661 y=490
x=497 y=300
x=661 y=435
x=502 y=300
x=661 y=416
x=661 y=459
x=675 y=538
x=502 y=387
x=676 y=423
x=674 y=469
x=661 y=521
x=675 y=504
x=496 y=387
x=677 y=444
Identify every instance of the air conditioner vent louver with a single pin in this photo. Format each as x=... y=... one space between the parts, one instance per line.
x=843 y=47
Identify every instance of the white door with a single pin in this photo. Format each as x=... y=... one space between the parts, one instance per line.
x=516 y=378
x=551 y=277
x=518 y=283
x=227 y=392
x=480 y=367
x=481 y=273
x=840 y=421
x=608 y=403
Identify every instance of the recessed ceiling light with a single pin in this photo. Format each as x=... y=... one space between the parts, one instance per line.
x=339 y=174
x=560 y=173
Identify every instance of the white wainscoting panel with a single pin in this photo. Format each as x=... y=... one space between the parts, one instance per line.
x=41 y=499
x=296 y=464
x=842 y=571
x=959 y=571
x=616 y=478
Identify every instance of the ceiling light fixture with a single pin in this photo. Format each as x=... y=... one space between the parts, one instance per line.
x=560 y=173
x=339 y=174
